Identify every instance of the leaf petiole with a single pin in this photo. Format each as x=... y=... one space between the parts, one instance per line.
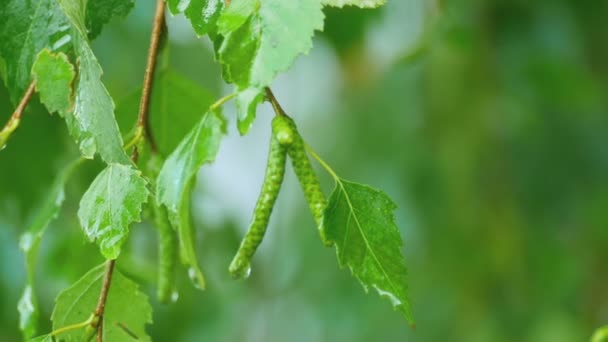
x=139 y=133
x=221 y=102
x=322 y=162
x=73 y=326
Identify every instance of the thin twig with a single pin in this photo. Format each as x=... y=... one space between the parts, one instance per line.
x=103 y=297
x=275 y=104
x=221 y=102
x=144 y=104
x=13 y=121
x=24 y=101
x=142 y=123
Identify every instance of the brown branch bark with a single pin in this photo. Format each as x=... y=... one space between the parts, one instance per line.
x=143 y=122
x=24 y=101
x=273 y=101
x=103 y=297
x=16 y=116
x=144 y=104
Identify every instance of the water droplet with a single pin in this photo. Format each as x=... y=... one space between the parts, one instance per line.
x=394 y=300
x=174 y=296
x=195 y=277
x=246 y=272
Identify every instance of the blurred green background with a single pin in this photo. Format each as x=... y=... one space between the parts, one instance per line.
x=486 y=121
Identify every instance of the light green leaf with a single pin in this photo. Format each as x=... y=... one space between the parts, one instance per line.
x=28 y=27
x=113 y=201
x=54 y=75
x=236 y=15
x=126 y=314
x=203 y=14
x=246 y=103
x=174 y=109
x=600 y=335
x=261 y=39
x=92 y=122
x=358 y=3
x=269 y=41
x=43 y=338
x=359 y=220
x=177 y=176
x=29 y=243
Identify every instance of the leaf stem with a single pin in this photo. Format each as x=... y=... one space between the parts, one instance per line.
x=13 y=122
x=221 y=102
x=72 y=327
x=323 y=163
x=144 y=103
x=278 y=110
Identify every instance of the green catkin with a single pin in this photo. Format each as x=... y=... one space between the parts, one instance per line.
x=307 y=177
x=275 y=170
x=168 y=244
x=167 y=255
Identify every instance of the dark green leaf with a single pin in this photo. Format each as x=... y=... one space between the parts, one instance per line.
x=110 y=205
x=126 y=313
x=92 y=122
x=29 y=243
x=54 y=75
x=28 y=27
x=99 y=13
x=177 y=176
x=361 y=223
x=203 y=14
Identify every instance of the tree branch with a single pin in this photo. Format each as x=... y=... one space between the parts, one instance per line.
x=13 y=122
x=275 y=104
x=144 y=104
x=103 y=298
x=143 y=122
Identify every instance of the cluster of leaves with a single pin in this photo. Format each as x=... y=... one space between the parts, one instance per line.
x=48 y=42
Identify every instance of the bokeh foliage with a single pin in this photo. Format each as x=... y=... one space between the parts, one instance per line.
x=489 y=132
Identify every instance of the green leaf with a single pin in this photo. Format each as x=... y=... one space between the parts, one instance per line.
x=126 y=313
x=173 y=109
x=28 y=27
x=54 y=75
x=358 y=3
x=29 y=243
x=236 y=15
x=43 y=338
x=600 y=335
x=360 y=221
x=203 y=14
x=177 y=176
x=99 y=13
x=261 y=39
x=113 y=201
x=277 y=32
x=246 y=103
x=92 y=122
